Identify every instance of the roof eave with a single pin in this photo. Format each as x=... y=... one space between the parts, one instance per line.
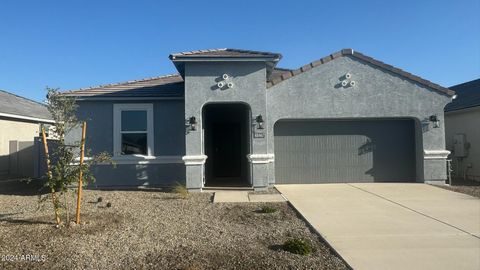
x=223 y=58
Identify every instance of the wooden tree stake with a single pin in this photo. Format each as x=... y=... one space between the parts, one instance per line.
x=80 y=182
x=49 y=171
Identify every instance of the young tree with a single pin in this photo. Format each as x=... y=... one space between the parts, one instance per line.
x=64 y=167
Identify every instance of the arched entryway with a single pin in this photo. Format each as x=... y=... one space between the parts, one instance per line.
x=226 y=132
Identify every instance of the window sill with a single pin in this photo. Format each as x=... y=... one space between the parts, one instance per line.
x=140 y=160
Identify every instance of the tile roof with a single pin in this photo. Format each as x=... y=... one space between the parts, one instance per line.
x=468 y=95
x=17 y=105
x=225 y=52
x=277 y=73
x=172 y=85
x=350 y=52
x=162 y=86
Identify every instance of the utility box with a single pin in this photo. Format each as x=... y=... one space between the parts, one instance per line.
x=459 y=145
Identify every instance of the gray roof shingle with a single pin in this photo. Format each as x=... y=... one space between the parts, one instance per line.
x=468 y=95
x=17 y=105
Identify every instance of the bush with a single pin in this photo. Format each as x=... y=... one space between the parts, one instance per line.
x=298 y=246
x=181 y=190
x=268 y=210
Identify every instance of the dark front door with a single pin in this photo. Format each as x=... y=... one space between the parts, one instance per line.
x=226 y=144
x=225 y=151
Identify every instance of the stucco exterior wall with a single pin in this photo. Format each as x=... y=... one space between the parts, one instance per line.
x=466 y=121
x=318 y=94
x=200 y=89
x=16 y=148
x=163 y=169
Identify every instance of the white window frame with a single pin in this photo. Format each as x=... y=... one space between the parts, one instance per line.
x=117 y=127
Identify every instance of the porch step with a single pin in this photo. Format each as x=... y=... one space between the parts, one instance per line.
x=237 y=196
x=212 y=189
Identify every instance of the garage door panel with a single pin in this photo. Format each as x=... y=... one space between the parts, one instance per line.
x=344 y=151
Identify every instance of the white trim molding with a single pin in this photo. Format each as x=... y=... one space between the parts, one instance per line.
x=435 y=154
x=21 y=117
x=194 y=159
x=261 y=158
x=139 y=160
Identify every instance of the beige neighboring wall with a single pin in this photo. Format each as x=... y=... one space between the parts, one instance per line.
x=16 y=158
x=465 y=121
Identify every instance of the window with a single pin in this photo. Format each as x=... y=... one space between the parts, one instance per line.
x=133 y=129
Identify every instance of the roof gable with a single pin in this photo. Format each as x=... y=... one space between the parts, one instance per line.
x=370 y=60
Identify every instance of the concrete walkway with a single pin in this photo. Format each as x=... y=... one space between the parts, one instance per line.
x=393 y=226
x=245 y=196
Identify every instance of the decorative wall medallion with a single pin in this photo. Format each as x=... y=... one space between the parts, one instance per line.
x=224 y=82
x=346 y=81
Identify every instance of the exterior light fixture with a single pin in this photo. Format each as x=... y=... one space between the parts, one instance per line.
x=348 y=76
x=192 y=123
x=434 y=119
x=344 y=83
x=352 y=83
x=225 y=76
x=260 y=121
x=230 y=85
x=220 y=84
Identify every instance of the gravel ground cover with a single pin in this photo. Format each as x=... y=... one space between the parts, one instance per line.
x=472 y=190
x=155 y=230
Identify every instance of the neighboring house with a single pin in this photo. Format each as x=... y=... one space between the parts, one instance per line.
x=20 y=121
x=231 y=118
x=462 y=130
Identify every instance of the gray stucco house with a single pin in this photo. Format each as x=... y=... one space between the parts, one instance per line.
x=232 y=118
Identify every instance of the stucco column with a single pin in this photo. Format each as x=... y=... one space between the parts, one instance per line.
x=434 y=153
x=194 y=171
x=259 y=164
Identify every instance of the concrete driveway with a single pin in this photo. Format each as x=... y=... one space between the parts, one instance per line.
x=392 y=225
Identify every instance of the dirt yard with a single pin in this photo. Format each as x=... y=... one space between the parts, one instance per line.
x=155 y=230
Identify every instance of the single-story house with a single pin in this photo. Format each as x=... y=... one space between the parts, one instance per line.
x=20 y=122
x=232 y=118
x=462 y=130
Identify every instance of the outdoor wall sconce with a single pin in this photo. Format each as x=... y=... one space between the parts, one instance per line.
x=434 y=119
x=191 y=123
x=260 y=121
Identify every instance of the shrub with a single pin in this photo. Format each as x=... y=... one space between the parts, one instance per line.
x=268 y=209
x=181 y=190
x=298 y=246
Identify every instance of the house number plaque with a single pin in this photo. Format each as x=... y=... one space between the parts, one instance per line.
x=258 y=135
